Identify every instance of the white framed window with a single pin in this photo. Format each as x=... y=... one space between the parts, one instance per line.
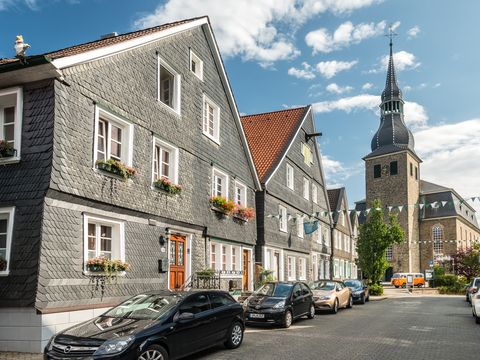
x=319 y=233
x=103 y=237
x=347 y=269
x=315 y=267
x=326 y=236
x=306 y=188
x=274 y=262
x=168 y=86
x=211 y=119
x=300 y=232
x=11 y=117
x=336 y=272
x=240 y=193
x=196 y=65
x=307 y=154
x=113 y=137
x=315 y=193
x=233 y=259
x=290 y=177
x=283 y=221
x=219 y=183
x=7 y=216
x=389 y=253
x=165 y=161
x=225 y=257
x=213 y=256
x=327 y=269
x=342 y=269
x=437 y=237
x=291 y=269
x=302 y=269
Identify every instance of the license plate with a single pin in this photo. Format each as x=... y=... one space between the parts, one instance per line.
x=257 y=316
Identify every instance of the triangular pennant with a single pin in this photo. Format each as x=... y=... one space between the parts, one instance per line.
x=367 y=211
x=473 y=199
x=444 y=203
x=400 y=208
x=421 y=206
x=390 y=208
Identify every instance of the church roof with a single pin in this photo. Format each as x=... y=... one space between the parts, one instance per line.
x=392 y=134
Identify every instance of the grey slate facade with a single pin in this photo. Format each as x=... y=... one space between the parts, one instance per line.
x=55 y=186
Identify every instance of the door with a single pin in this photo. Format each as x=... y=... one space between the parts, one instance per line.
x=276 y=265
x=314 y=267
x=300 y=301
x=177 y=261
x=246 y=269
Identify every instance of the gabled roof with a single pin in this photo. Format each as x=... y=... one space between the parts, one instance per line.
x=428 y=187
x=269 y=136
x=101 y=43
x=334 y=198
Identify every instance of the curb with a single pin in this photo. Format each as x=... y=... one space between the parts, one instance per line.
x=378 y=298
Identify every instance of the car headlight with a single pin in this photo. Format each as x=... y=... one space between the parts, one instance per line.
x=325 y=297
x=279 y=305
x=115 y=346
x=358 y=292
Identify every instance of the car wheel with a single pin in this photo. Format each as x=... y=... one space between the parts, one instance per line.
x=154 y=352
x=335 y=307
x=396 y=286
x=477 y=319
x=311 y=314
x=368 y=298
x=287 y=319
x=350 y=303
x=363 y=300
x=466 y=298
x=235 y=336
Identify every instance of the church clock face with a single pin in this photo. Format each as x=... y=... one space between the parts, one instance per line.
x=385 y=170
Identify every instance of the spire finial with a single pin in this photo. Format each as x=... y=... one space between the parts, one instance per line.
x=391 y=34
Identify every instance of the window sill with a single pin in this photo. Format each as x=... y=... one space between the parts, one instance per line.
x=111 y=175
x=4 y=273
x=211 y=138
x=169 y=108
x=9 y=160
x=219 y=210
x=101 y=273
x=239 y=218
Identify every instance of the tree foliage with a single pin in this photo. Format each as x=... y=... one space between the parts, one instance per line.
x=374 y=238
x=467 y=262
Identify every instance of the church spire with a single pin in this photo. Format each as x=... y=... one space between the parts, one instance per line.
x=392 y=134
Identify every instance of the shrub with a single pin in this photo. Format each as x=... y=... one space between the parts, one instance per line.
x=445 y=280
x=208 y=272
x=375 y=289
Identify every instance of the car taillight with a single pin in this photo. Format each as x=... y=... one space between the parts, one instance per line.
x=473 y=290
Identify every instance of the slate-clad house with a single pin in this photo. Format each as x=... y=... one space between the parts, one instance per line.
x=343 y=243
x=288 y=162
x=156 y=100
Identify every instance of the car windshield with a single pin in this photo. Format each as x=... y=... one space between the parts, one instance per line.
x=144 y=306
x=395 y=276
x=353 y=283
x=322 y=285
x=275 y=289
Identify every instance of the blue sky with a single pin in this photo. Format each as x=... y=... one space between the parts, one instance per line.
x=282 y=53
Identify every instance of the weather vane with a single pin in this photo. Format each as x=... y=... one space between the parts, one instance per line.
x=391 y=34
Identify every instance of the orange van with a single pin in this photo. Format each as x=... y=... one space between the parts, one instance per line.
x=400 y=279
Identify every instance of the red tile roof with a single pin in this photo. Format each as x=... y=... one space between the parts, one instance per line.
x=269 y=135
x=97 y=44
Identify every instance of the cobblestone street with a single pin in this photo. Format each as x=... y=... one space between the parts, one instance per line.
x=414 y=327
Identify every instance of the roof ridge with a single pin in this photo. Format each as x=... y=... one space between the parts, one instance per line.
x=276 y=111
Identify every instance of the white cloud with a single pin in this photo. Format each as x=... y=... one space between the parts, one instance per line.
x=415 y=114
x=437 y=85
x=336 y=172
x=407 y=88
x=450 y=154
x=402 y=60
x=321 y=40
x=367 y=86
x=330 y=68
x=413 y=32
x=305 y=73
x=336 y=89
x=254 y=30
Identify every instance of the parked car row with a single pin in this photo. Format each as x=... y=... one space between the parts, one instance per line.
x=472 y=295
x=166 y=325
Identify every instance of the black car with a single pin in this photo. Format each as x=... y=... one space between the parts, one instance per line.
x=156 y=325
x=279 y=303
x=360 y=291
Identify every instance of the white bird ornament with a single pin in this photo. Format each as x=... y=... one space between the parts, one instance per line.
x=20 y=48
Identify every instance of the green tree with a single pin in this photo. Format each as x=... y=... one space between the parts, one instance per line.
x=374 y=238
x=467 y=262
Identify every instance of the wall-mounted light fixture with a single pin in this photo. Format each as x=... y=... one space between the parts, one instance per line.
x=163 y=239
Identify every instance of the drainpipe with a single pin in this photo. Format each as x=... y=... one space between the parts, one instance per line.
x=204 y=234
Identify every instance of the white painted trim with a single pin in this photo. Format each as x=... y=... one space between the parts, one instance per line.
x=294 y=269
x=18 y=92
x=10 y=211
x=174 y=150
x=280 y=227
x=102 y=220
x=120 y=122
x=216 y=170
x=123 y=46
x=290 y=145
x=177 y=86
x=199 y=61
x=217 y=121
x=288 y=166
x=241 y=185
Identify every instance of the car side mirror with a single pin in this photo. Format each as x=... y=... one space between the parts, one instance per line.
x=186 y=316
x=338 y=289
x=365 y=287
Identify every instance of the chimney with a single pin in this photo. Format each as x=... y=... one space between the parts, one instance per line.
x=108 y=36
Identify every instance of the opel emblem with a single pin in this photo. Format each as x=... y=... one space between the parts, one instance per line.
x=67 y=349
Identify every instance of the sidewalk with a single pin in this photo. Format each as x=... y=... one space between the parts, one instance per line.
x=20 y=356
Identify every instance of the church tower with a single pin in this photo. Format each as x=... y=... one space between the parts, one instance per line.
x=392 y=172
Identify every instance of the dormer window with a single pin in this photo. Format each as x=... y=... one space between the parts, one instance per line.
x=11 y=105
x=196 y=65
x=168 y=86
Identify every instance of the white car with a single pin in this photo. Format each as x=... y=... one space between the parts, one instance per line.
x=474 y=288
x=476 y=307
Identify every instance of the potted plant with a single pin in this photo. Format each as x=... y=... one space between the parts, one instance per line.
x=6 y=149
x=245 y=213
x=97 y=264
x=3 y=264
x=117 y=168
x=222 y=204
x=167 y=185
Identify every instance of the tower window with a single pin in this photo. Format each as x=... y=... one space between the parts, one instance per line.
x=411 y=169
x=393 y=168
x=377 y=171
x=416 y=173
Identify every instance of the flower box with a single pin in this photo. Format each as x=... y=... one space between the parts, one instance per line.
x=244 y=213
x=103 y=265
x=6 y=150
x=3 y=264
x=167 y=186
x=116 y=168
x=222 y=205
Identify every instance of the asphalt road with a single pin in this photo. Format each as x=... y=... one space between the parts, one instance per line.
x=414 y=327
